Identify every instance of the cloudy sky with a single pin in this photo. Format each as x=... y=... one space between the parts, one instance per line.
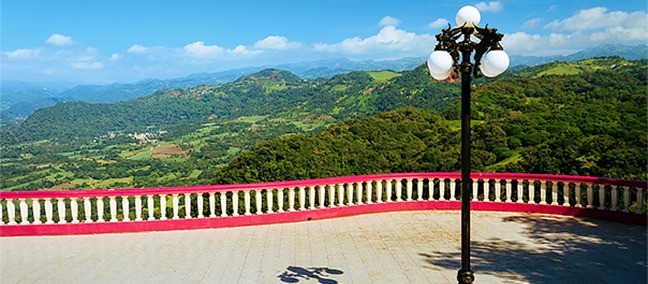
x=124 y=41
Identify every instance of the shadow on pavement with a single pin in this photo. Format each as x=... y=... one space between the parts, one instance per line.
x=552 y=249
x=294 y=274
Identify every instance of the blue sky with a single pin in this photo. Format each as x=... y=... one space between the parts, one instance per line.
x=124 y=41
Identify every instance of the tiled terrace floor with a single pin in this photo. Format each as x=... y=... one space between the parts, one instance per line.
x=397 y=247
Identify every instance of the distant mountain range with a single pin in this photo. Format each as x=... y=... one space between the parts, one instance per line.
x=636 y=52
x=20 y=99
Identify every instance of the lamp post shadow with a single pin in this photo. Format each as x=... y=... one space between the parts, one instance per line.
x=324 y=275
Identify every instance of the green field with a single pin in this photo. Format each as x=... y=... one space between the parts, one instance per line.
x=383 y=76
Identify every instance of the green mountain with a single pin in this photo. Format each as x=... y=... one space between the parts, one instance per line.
x=590 y=122
x=587 y=117
x=268 y=92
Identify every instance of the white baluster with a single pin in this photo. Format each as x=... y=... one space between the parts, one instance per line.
x=113 y=209
x=23 y=212
x=340 y=195
x=87 y=208
x=280 y=200
x=74 y=206
x=409 y=189
x=520 y=192
x=359 y=193
x=49 y=211
x=174 y=200
x=601 y=193
x=235 y=203
x=639 y=201
x=498 y=191
x=590 y=196
x=508 y=191
x=223 y=203
x=369 y=192
x=61 y=211
x=246 y=198
x=269 y=200
x=100 y=210
x=532 y=192
x=36 y=211
x=311 y=197
x=419 y=189
x=379 y=193
x=1 y=215
x=302 y=198
x=350 y=193
x=258 y=200
x=187 y=203
x=475 y=187
x=212 y=204
x=442 y=189
x=331 y=195
x=453 y=190
x=389 y=190
x=201 y=205
x=322 y=193
x=626 y=199
x=399 y=190
x=150 y=204
x=138 y=208
x=554 y=193
x=11 y=212
x=577 y=193
x=543 y=192
x=486 y=184
x=163 y=206
x=291 y=199
x=614 y=200
x=125 y=209
x=565 y=194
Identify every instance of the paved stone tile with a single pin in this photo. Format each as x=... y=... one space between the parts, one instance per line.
x=396 y=247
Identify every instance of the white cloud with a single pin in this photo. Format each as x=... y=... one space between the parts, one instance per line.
x=23 y=53
x=200 y=50
x=531 y=24
x=241 y=50
x=59 y=40
x=493 y=6
x=136 y=48
x=389 y=21
x=115 y=56
x=275 y=42
x=599 y=18
x=439 y=23
x=389 y=40
x=585 y=28
x=87 y=65
x=521 y=43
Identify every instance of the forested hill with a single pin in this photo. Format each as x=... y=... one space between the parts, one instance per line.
x=585 y=118
x=269 y=92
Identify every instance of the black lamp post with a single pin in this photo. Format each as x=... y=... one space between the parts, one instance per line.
x=491 y=61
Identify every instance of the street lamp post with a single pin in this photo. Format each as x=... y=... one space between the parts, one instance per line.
x=491 y=60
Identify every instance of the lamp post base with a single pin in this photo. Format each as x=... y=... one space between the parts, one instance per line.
x=465 y=276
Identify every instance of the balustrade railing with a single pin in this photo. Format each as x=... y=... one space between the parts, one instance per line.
x=36 y=210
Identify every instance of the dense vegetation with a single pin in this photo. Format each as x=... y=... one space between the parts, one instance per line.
x=591 y=124
x=586 y=118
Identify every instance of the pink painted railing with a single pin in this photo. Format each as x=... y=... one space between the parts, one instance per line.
x=211 y=206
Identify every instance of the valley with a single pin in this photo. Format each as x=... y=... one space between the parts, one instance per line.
x=586 y=117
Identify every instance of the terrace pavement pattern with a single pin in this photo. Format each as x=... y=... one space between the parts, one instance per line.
x=394 y=247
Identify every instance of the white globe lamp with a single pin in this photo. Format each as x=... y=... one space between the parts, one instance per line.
x=468 y=16
x=494 y=62
x=440 y=64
